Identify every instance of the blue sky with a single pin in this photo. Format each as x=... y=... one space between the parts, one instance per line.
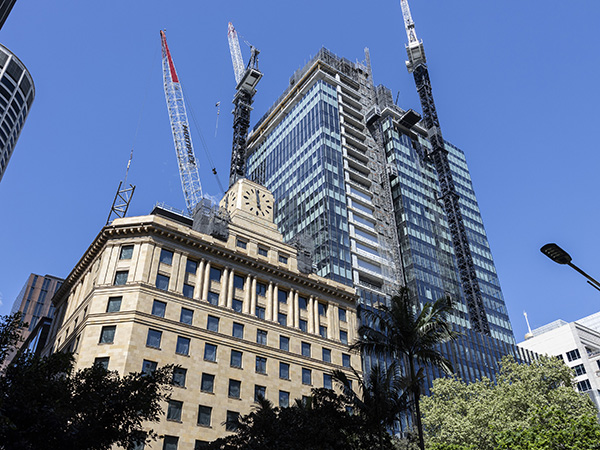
x=515 y=83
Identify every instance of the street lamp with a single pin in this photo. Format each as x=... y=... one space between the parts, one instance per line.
x=558 y=255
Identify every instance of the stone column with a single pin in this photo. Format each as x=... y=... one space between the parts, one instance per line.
x=316 y=316
x=275 y=303
x=247 y=290
x=311 y=315
x=223 y=292
x=269 y=309
x=230 y=289
x=199 y=286
x=206 y=280
x=296 y=310
x=253 y=296
x=333 y=329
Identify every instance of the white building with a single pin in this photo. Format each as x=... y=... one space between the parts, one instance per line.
x=578 y=344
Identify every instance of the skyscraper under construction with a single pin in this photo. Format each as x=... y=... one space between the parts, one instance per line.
x=356 y=181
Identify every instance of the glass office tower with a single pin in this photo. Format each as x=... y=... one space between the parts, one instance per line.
x=349 y=169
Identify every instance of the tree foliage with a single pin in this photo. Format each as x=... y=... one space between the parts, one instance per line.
x=529 y=407
x=45 y=404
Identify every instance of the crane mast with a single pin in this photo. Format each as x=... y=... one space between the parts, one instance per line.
x=246 y=80
x=417 y=65
x=186 y=159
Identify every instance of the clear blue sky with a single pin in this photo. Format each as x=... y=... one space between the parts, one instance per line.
x=515 y=82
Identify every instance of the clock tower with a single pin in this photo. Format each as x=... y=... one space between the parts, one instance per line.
x=250 y=200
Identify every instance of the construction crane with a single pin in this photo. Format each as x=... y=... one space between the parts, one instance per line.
x=246 y=78
x=188 y=168
x=417 y=65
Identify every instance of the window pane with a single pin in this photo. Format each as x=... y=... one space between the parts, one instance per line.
x=170 y=443
x=238 y=330
x=284 y=371
x=235 y=388
x=282 y=296
x=306 y=376
x=261 y=364
x=102 y=362
x=191 y=266
x=126 y=252
x=154 y=337
x=159 y=308
x=284 y=399
x=237 y=305
x=282 y=319
x=166 y=257
x=215 y=274
x=326 y=355
x=188 y=290
x=241 y=244
x=232 y=420
x=342 y=314
x=236 y=359
x=208 y=382
x=162 y=282
x=238 y=282
x=284 y=343
x=305 y=349
x=213 y=298
x=183 y=345
x=259 y=391
x=148 y=366
x=303 y=324
x=187 y=316
x=204 y=414
x=210 y=352
x=344 y=336
x=323 y=331
x=114 y=304
x=107 y=334
x=283 y=259
x=263 y=251
x=121 y=277
x=261 y=337
x=322 y=309
x=302 y=302
x=179 y=374
x=345 y=360
x=174 y=410
x=327 y=381
x=260 y=312
x=261 y=289
x=212 y=323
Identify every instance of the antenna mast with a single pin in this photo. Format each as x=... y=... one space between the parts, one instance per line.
x=188 y=169
x=417 y=65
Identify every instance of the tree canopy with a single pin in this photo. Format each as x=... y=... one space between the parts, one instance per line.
x=529 y=407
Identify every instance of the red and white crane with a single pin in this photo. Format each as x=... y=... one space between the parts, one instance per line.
x=188 y=168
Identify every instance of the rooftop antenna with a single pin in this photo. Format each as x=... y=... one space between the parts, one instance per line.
x=120 y=204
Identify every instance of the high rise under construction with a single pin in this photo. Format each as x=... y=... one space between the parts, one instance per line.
x=381 y=200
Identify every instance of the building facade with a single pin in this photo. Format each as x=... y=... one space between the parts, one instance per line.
x=349 y=171
x=230 y=305
x=16 y=96
x=577 y=344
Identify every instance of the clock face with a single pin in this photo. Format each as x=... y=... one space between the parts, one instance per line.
x=257 y=202
x=231 y=200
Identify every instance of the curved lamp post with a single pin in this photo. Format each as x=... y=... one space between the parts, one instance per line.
x=558 y=255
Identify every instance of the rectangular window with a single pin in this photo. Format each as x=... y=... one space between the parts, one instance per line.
x=236 y=359
x=345 y=360
x=579 y=370
x=170 y=443
x=166 y=257
x=241 y=244
x=102 y=361
x=344 y=336
x=284 y=399
x=187 y=316
x=323 y=331
x=261 y=289
x=183 y=346
x=260 y=312
x=584 y=385
x=322 y=309
x=148 y=366
x=303 y=324
x=238 y=330
x=188 y=290
x=153 y=339
x=283 y=259
x=210 y=352
x=573 y=355
x=284 y=371
x=261 y=365
x=238 y=282
x=306 y=376
x=326 y=355
x=235 y=388
x=114 y=304
x=282 y=319
x=126 y=252
x=237 y=305
x=261 y=337
x=179 y=374
x=204 y=413
x=282 y=296
x=107 y=334
x=213 y=298
x=231 y=424
x=305 y=349
x=212 y=324
x=327 y=381
x=284 y=343
x=162 y=282
x=302 y=302
x=342 y=314
x=215 y=274
x=263 y=251
x=174 y=410
x=191 y=266
x=208 y=383
x=121 y=277
x=259 y=391
x=159 y=308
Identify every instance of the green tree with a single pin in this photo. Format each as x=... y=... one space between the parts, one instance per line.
x=10 y=334
x=404 y=332
x=529 y=407
x=45 y=404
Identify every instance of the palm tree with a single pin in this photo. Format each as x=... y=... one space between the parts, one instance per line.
x=378 y=400
x=403 y=333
